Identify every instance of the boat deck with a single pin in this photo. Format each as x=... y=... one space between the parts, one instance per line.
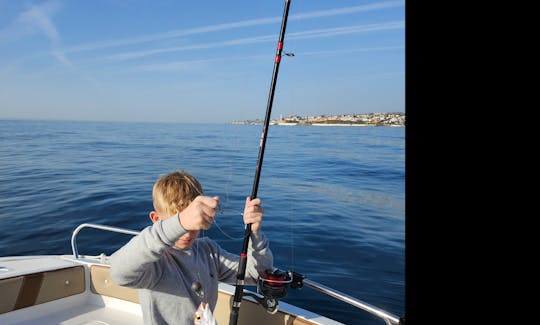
x=53 y=290
x=80 y=314
x=63 y=290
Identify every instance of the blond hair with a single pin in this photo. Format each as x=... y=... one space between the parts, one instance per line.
x=174 y=192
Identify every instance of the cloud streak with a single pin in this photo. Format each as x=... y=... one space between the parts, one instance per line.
x=37 y=19
x=318 y=33
x=194 y=64
x=348 y=10
x=227 y=26
x=369 y=49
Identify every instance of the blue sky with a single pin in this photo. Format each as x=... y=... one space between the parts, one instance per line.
x=198 y=61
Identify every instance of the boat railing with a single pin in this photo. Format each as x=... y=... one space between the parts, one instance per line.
x=96 y=226
x=388 y=318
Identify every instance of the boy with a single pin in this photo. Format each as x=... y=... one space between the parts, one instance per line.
x=166 y=259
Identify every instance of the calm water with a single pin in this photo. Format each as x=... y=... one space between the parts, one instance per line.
x=334 y=197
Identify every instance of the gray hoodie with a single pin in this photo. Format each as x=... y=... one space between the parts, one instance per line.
x=164 y=274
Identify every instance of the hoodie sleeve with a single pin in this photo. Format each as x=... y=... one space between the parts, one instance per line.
x=135 y=264
x=259 y=259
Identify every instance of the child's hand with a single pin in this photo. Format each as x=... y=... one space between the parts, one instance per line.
x=253 y=213
x=199 y=214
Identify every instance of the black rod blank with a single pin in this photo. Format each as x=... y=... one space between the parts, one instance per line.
x=240 y=276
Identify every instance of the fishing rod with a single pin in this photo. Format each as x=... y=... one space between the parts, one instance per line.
x=240 y=276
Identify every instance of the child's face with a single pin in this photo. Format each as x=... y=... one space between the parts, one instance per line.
x=183 y=242
x=187 y=240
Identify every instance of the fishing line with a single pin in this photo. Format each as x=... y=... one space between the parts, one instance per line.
x=224 y=233
x=219 y=208
x=197 y=264
x=227 y=202
x=291 y=241
x=293 y=73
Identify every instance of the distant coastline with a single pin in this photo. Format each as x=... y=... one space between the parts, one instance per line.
x=395 y=119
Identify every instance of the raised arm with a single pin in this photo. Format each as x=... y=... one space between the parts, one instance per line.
x=134 y=265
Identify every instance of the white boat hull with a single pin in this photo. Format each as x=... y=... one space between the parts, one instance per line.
x=68 y=290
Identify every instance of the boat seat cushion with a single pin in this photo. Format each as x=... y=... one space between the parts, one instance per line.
x=10 y=291
x=37 y=288
x=102 y=283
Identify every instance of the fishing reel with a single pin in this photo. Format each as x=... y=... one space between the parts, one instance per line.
x=272 y=285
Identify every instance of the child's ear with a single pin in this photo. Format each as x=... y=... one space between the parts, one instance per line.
x=154 y=216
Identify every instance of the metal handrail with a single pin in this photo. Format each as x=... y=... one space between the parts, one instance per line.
x=386 y=316
x=102 y=227
x=389 y=318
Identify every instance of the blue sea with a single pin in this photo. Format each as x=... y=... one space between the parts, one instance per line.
x=334 y=197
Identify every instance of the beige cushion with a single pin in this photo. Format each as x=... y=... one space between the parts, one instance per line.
x=102 y=283
x=10 y=291
x=37 y=288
